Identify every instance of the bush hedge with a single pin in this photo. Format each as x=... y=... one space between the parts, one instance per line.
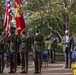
x=59 y=47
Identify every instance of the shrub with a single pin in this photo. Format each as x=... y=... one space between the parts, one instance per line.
x=46 y=45
x=59 y=47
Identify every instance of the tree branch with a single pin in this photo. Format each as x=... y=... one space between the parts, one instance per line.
x=72 y=5
x=54 y=31
x=56 y=4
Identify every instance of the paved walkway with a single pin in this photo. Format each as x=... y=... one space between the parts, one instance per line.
x=52 y=69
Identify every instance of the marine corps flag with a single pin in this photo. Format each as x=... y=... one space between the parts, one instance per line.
x=20 y=23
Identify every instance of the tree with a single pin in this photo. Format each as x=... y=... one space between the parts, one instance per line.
x=1 y=13
x=54 y=15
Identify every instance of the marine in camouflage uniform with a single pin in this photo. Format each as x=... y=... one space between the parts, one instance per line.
x=2 y=42
x=52 y=47
x=23 y=50
x=39 y=46
x=13 y=51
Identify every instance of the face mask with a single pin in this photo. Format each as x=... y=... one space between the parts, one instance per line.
x=12 y=32
x=66 y=33
x=23 y=32
x=37 y=31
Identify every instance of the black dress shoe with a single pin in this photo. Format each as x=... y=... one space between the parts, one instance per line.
x=23 y=72
x=69 y=67
x=51 y=62
x=14 y=71
x=39 y=72
x=1 y=71
x=35 y=72
x=11 y=72
x=26 y=73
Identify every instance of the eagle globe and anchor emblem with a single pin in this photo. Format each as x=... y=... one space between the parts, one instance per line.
x=17 y=10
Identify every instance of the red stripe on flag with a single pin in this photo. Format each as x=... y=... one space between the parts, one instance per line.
x=7 y=19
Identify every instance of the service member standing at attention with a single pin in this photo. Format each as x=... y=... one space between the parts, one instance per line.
x=23 y=53
x=39 y=46
x=2 y=42
x=68 y=45
x=13 y=50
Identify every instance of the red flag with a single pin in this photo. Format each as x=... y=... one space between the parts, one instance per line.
x=20 y=23
x=8 y=18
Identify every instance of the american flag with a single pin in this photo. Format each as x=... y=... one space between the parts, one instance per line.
x=7 y=19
